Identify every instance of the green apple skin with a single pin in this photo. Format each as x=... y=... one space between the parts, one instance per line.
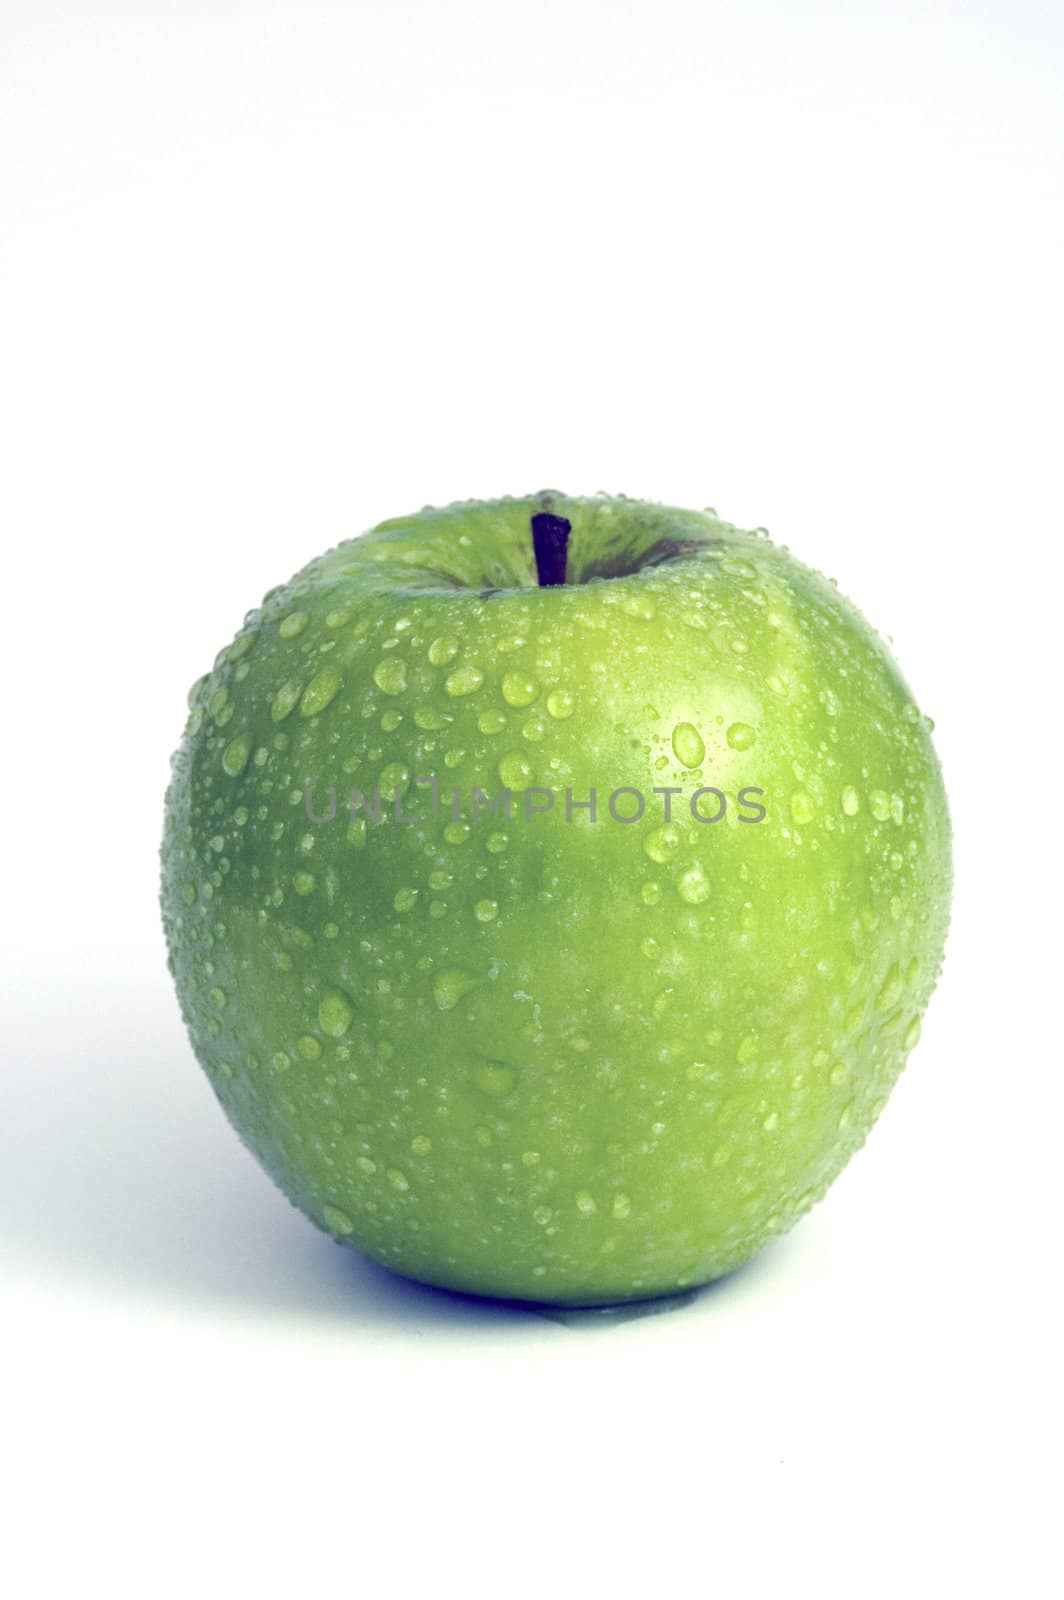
x=566 y=1061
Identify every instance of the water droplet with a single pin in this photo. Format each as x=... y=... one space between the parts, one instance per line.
x=392 y=777
x=518 y=689
x=688 y=745
x=322 y=688
x=650 y=894
x=620 y=1207
x=748 y=1046
x=308 y=1047
x=303 y=882
x=486 y=910
x=694 y=886
x=663 y=843
x=218 y=702
x=364 y=1164
x=912 y=1034
x=405 y=899
x=802 y=807
x=891 y=990
x=515 y=770
x=897 y=809
x=738 y=567
x=285 y=699
x=390 y=675
x=451 y=986
x=335 y=1013
x=398 y=1180
x=464 y=680
x=421 y=1144
x=850 y=801
x=293 y=624
x=442 y=650
x=560 y=704
x=880 y=804
x=237 y=751
x=494 y=1078
x=338 y=1221
x=491 y=721
x=740 y=736
x=585 y=1203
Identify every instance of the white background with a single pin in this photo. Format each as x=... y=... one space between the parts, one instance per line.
x=272 y=272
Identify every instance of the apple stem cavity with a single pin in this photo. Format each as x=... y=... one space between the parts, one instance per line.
x=550 y=541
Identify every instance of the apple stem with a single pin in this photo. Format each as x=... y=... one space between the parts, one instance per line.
x=550 y=541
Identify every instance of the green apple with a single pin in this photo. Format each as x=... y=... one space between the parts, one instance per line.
x=564 y=1054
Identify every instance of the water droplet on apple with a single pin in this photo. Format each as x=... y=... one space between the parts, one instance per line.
x=451 y=986
x=694 y=886
x=235 y=757
x=390 y=675
x=320 y=692
x=740 y=736
x=850 y=801
x=688 y=745
x=560 y=704
x=335 y=1013
x=518 y=689
x=890 y=990
x=493 y=1078
x=285 y=699
x=737 y=567
x=442 y=650
x=336 y=1220
x=802 y=807
x=663 y=843
x=515 y=770
x=464 y=680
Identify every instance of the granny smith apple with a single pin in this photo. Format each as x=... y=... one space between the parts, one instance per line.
x=553 y=889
